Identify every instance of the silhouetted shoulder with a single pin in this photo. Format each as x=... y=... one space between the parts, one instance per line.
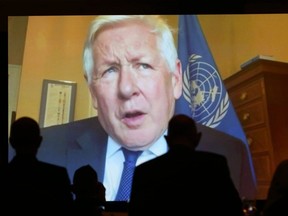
x=211 y=137
x=277 y=199
x=53 y=167
x=209 y=156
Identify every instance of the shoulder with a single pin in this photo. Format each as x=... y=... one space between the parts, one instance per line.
x=153 y=163
x=211 y=134
x=213 y=140
x=53 y=173
x=280 y=177
x=282 y=170
x=283 y=165
x=210 y=155
x=52 y=167
x=210 y=159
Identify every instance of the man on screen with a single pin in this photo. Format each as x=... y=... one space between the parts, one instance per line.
x=134 y=77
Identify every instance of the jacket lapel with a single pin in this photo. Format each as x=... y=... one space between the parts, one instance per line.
x=92 y=150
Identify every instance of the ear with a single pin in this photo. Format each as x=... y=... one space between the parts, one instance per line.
x=177 y=80
x=93 y=97
x=92 y=92
x=85 y=77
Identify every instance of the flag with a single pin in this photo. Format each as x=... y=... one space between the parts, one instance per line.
x=204 y=96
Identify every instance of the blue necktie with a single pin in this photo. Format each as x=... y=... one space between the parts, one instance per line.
x=124 y=190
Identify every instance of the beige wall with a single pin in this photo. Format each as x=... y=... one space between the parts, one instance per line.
x=53 y=50
x=234 y=39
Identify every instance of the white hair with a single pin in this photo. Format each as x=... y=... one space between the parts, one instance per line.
x=158 y=26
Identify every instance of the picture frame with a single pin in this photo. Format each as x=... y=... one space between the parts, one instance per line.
x=57 y=102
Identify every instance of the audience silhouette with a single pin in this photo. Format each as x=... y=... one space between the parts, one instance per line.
x=34 y=187
x=184 y=181
x=89 y=192
x=277 y=199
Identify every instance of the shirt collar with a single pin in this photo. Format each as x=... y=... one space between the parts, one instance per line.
x=156 y=149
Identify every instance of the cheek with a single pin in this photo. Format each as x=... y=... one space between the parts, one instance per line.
x=99 y=95
x=104 y=96
x=160 y=89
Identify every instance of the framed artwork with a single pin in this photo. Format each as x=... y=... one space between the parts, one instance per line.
x=57 y=102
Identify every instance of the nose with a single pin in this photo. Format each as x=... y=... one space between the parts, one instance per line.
x=128 y=82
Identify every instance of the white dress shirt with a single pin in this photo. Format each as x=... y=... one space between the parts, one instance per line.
x=115 y=159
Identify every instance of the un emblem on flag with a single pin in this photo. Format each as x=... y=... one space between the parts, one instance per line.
x=205 y=93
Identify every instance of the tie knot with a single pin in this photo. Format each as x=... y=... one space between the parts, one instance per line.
x=131 y=156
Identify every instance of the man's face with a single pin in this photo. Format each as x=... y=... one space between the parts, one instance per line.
x=132 y=89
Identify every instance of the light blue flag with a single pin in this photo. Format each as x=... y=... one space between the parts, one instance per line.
x=204 y=96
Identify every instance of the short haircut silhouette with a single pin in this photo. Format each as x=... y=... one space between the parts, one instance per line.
x=182 y=131
x=33 y=184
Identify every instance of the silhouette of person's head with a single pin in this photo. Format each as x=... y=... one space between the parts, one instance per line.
x=182 y=131
x=25 y=136
x=86 y=185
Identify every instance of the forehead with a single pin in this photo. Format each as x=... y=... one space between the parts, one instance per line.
x=128 y=28
x=129 y=39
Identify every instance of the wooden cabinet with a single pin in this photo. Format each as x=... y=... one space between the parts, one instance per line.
x=259 y=93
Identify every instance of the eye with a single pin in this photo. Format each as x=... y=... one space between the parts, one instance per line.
x=109 y=71
x=144 y=66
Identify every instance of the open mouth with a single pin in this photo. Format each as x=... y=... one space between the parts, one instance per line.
x=133 y=114
x=133 y=119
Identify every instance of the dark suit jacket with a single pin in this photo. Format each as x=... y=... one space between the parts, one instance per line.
x=84 y=142
x=34 y=188
x=183 y=182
